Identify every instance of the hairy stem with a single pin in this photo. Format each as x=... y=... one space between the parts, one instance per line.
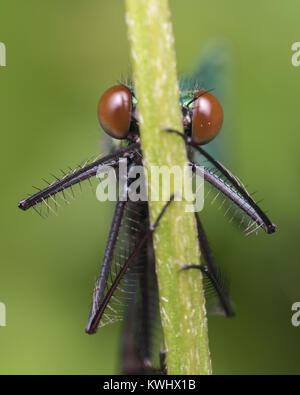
x=182 y=304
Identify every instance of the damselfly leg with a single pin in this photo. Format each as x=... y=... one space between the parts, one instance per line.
x=210 y=270
x=228 y=184
x=80 y=175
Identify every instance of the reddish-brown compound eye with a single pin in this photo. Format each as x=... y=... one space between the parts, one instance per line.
x=114 y=111
x=207 y=117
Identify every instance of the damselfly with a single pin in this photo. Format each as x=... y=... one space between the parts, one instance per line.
x=127 y=281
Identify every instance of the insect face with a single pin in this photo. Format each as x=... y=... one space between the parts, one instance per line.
x=115 y=111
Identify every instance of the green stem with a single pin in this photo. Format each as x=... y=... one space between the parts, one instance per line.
x=182 y=304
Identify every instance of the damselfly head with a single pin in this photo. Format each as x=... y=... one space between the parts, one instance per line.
x=206 y=117
x=115 y=111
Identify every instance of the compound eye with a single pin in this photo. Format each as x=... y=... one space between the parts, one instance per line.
x=114 y=111
x=207 y=117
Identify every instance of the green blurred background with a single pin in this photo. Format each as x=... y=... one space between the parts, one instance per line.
x=61 y=56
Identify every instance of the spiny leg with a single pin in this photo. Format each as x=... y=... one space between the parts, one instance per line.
x=229 y=193
x=77 y=176
x=209 y=268
x=269 y=227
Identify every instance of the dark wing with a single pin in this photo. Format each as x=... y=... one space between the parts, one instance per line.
x=122 y=265
x=142 y=333
x=127 y=289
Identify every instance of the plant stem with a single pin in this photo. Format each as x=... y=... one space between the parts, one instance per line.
x=182 y=304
